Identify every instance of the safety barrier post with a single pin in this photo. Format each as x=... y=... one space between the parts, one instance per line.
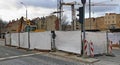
x=91 y=49
x=85 y=48
x=110 y=47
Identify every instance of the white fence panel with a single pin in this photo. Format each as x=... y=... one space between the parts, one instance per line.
x=14 y=39
x=24 y=40
x=69 y=41
x=99 y=41
x=7 y=37
x=40 y=40
x=114 y=37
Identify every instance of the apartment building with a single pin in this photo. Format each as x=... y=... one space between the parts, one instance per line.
x=12 y=26
x=51 y=22
x=47 y=23
x=103 y=23
x=112 y=20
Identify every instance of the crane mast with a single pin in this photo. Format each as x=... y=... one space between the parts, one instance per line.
x=61 y=3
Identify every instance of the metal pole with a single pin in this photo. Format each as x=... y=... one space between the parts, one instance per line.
x=25 y=8
x=28 y=25
x=60 y=14
x=5 y=39
x=81 y=39
x=19 y=39
x=59 y=8
x=90 y=13
x=28 y=30
x=53 y=35
x=73 y=17
x=84 y=29
x=26 y=14
x=28 y=40
x=107 y=42
x=10 y=39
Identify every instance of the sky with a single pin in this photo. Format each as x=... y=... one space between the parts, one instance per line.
x=13 y=9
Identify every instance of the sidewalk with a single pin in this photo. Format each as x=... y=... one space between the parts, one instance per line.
x=102 y=60
x=74 y=57
x=2 y=41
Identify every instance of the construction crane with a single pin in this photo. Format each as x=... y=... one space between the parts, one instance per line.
x=72 y=4
x=59 y=14
x=97 y=4
x=60 y=5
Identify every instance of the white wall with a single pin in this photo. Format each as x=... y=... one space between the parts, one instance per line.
x=114 y=37
x=69 y=41
x=99 y=41
x=7 y=37
x=14 y=39
x=24 y=40
x=40 y=40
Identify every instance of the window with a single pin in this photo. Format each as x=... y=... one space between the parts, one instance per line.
x=113 y=22
x=105 y=19
x=106 y=22
x=113 y=17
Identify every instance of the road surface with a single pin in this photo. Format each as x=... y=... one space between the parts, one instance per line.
x=13 y=56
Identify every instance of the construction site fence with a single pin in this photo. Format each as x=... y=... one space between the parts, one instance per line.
x=69 y=41
x=115 y=38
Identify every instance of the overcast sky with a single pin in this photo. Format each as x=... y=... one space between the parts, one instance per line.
x=12 y=9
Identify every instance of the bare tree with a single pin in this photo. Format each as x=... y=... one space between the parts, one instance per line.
x=2 y=27
x=64 y=23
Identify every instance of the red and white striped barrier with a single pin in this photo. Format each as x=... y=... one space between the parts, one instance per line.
x=110 y=47
x=91 y=49
x=85 y=47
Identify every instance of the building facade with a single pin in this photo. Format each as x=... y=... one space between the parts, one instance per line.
x=103 y=23
x=112 y=21
x=47 y=23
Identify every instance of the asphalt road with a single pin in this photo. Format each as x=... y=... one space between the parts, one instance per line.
x=13 y=56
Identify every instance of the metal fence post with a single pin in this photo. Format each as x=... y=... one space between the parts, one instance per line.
x=107 y=42
x=10 y=39
x=53 y=46
x=18 y=39
x=5 y=40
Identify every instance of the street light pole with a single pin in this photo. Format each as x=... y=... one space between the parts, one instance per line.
x=26 y=14
x=28 y=27
x=26 y=9
x=90 y=13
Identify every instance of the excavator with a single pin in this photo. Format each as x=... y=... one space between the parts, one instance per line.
x=26 y=26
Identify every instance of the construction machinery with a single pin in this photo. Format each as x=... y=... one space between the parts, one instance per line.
x=29 y=27
x=26 y=26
